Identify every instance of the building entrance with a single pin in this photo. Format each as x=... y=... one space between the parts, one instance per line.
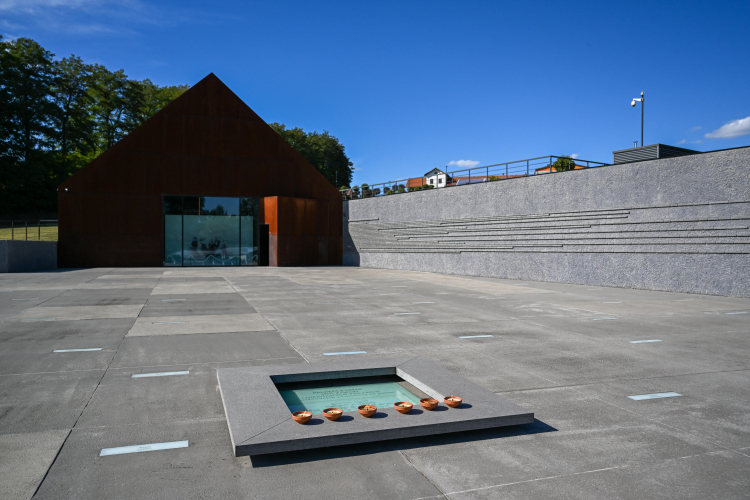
x=210 y=231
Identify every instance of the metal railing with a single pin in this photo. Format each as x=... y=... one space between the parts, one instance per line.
x=489 y=173
x=37 y=230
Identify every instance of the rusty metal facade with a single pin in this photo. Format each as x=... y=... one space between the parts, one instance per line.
x=207 y=142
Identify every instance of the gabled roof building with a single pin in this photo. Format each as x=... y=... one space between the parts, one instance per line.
x=203 y=182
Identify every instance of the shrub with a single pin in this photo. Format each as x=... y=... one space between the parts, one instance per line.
x=401 y=189
x=564 y=163
x=494 y=178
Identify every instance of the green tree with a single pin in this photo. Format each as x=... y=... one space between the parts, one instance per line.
x=112 y=95
x=71 y=94
x=27 y=124
x=564 y=163
x=57 y=116
x=322 y=151
x=155 y=98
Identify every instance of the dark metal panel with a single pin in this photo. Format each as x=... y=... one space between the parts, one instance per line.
x=666 y=151
x=298 y=216
x=651 y=152
x=322 y=251
x=636 y=154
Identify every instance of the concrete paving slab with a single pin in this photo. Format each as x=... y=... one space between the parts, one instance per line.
x=132 y=275
x=207 y=470
x=176 y=280
x=44 y=401
x=78 y=313
x=709 y=322
x=25 y=459
x=169 y=350
x=621 y=328
x=123 y=400
x=14 y=302
x=712 y=475
x=195 y=305
x=589 y=361
x=193 y=288
x=722 y=351
x=36 y=356
x=135 y=296
x=184 y=325
x=115 y=285
x=68 y=331
x=713 y=406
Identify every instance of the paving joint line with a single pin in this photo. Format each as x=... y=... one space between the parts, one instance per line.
x=98 y=384
x=625 y=466
x=423 y=475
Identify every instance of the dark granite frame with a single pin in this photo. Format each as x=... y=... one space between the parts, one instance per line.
x=260 y=422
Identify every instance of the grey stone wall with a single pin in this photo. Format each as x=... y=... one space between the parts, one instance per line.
x=677 y=224
x=24 y=256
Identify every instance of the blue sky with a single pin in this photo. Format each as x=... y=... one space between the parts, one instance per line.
x=408 y=86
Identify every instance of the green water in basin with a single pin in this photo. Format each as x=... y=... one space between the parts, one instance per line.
x=347 y=397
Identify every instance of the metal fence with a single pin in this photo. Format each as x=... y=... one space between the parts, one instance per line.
x=489 y=173
x=36 y=230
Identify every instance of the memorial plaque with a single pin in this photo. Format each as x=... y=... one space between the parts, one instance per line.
x=347 y=397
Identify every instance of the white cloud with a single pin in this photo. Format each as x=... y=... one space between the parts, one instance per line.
x=463 y=163
x=96 y=17
x=694 y=129
x=732 y=129
x=34 y=5
x=685 y=141
x=575 y=155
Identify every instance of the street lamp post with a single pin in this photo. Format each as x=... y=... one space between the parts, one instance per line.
x=643 y=104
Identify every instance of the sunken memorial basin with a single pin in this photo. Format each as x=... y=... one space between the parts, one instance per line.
x=259 y=402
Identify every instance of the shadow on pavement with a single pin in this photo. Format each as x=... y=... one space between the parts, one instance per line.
x=329 y=453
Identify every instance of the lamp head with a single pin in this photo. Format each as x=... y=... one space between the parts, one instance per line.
x=633 y=103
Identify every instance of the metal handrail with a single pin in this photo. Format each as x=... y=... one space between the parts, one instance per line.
x=487 y=173
x=22 y=226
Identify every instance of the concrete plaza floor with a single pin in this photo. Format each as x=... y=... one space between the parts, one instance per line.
x=562 y=351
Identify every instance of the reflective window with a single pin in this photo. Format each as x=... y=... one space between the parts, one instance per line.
x=210 y=231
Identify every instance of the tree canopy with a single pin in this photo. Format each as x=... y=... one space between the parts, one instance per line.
x=322 y=151
x=564 y=163
x=58 y=115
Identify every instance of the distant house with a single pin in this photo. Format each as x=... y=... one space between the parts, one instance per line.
x=548 y=169
x=434 y=178
x=437 y=178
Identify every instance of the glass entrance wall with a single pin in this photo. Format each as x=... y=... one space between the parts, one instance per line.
x=210 y=231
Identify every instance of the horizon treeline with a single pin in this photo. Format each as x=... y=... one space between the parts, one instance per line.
x=58 y=115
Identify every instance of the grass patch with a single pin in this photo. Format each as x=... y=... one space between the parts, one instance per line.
x=44 y=233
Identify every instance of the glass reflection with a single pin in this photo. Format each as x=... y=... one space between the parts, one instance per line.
x=173 y=230
x=210 y=231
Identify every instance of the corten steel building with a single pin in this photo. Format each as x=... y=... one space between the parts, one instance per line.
x=204 y=182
